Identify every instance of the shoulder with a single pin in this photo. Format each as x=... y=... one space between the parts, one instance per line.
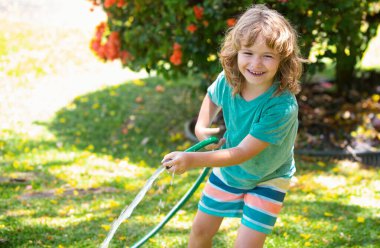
x=220 y=83
x=219 y=91
x=285 y=102
x=221 y=79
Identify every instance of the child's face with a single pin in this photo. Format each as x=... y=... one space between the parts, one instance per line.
x=258 y=63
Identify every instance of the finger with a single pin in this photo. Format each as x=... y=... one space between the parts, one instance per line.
x=221 y=142
x=171 y=169
x=168 y=163
x=211 y=147
x=216 y=146
x=168 y=156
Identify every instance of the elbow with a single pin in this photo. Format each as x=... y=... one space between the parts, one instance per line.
x=198 y=131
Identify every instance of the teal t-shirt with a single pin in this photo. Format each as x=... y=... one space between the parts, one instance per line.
x=270 y=118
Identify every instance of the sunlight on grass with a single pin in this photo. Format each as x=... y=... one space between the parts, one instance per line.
x=330 y=182
x=372 y=54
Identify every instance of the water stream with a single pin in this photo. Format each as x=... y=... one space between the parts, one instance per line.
x=126 y=213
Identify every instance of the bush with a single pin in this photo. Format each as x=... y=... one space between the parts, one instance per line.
x=183 y=37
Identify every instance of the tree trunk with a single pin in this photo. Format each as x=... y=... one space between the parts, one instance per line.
x=344 y=71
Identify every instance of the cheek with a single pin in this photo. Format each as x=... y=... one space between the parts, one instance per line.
x=274 y=65
x=241 y=62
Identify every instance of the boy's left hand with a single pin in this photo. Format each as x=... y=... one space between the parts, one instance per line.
x=177 y=162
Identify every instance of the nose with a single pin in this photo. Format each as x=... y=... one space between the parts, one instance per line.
x=255 y=62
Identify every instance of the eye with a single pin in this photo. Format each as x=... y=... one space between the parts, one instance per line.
x=268 y=56
x=247 y=53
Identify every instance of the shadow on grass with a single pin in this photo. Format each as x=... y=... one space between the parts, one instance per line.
x=139 y=119
x=88 y=233
x=39 y=222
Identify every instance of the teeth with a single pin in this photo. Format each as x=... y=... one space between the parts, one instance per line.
x=256 y=73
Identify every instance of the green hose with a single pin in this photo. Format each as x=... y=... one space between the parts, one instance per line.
x=185 y=198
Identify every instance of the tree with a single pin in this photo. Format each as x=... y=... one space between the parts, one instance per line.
x=181 y=37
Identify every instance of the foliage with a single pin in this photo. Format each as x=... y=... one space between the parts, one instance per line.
x=182 y=37
x=328 y=122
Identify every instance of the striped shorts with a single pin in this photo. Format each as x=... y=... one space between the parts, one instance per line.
x=258 y=207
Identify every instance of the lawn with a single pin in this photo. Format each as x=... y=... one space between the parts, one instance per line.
x=67 y=175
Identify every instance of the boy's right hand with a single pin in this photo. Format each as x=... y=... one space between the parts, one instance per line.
x=203 y=133
x=216 y=146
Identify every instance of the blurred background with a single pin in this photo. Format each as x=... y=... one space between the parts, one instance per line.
x=94 y=93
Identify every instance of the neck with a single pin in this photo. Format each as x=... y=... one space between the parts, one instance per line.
x=250 y=91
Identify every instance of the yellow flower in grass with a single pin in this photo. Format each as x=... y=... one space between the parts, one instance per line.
x=113 y=93
x=90 y=147
x=16 y=164
x=305 y=235
x=95 y=105
x=106 y=227
x=176 y=137
x=138 y=82
x=321 y=164
x=360 y=219
x=113 y=204
x=59 y=191
x=184 y=146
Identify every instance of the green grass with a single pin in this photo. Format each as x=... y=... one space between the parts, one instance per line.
x=64 y=180
x=81 y=169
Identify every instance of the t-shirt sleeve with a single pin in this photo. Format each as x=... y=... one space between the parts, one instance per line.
x=276 y=123
x=216 y=90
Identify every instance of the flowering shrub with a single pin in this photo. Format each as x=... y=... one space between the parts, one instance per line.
x=182 y=37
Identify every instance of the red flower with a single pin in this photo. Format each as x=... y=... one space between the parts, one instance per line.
x=176 y=46
x=231 y=22
x=112 y=46
x=176 y=57
x=198 y=12
x=95 y=44
x=101 y=52
x=282 y=1
x=100 y=30
x=109 y=3
x=125 y=56
x=191 y=28
x=121 y=3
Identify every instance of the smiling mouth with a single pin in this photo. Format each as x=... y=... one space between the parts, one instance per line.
x=256 y=73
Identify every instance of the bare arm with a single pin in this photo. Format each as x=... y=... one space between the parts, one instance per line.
x=206 y=115
x=183 y=161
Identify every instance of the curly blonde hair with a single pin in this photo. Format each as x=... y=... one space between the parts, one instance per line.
x=279 y=35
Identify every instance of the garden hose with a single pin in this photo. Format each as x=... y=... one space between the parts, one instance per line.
x=185 y=198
